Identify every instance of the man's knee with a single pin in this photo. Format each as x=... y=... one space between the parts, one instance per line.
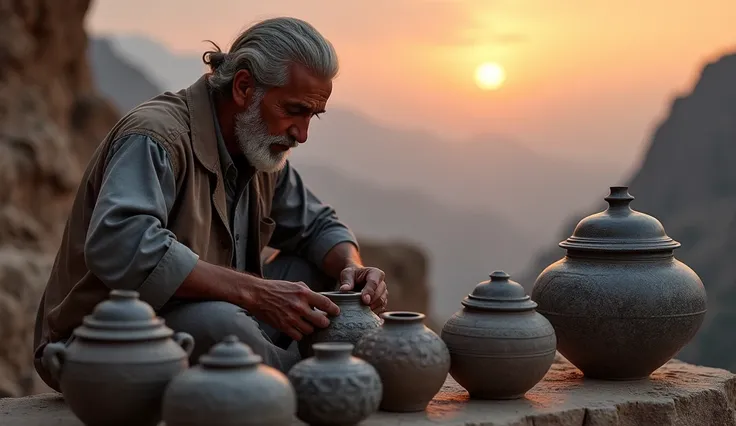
x=289 y=267
x=209 y=322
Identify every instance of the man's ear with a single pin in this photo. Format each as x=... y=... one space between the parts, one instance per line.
x=243 y=86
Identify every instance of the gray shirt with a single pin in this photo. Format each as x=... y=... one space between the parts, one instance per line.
x=128 y=244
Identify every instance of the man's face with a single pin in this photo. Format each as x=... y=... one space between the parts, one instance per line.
x=277 y=119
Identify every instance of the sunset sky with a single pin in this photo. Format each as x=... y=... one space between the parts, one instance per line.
x=585 y=78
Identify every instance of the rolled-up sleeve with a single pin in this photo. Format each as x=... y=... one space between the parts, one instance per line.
x=304 y=224
x=127 y=244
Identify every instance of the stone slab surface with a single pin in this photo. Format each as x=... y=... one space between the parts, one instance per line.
x=676 y=394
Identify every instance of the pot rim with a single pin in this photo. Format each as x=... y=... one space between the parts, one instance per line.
x=403 y=316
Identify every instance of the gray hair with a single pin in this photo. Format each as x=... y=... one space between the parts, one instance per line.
x=267 y=49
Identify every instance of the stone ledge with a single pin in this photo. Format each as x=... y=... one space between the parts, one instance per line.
x=676 y=394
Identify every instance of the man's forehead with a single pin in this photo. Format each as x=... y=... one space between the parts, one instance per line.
x=304 y=88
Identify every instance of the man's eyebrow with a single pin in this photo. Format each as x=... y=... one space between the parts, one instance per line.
x=306 y=107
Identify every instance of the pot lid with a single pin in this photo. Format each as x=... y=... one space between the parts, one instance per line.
x=499 y=294
x=619 y=228
x=230 y=353
x=123 y=317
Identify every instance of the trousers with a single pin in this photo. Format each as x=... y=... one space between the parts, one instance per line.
x=210 y=321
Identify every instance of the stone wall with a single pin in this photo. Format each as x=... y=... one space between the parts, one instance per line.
x=50 y=121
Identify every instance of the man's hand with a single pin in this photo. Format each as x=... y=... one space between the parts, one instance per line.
x=375 y=292
x=288 y=305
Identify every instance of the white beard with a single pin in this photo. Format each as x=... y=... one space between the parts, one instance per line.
x=254 y=140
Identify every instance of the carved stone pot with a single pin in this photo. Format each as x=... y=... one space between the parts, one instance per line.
x=620 y=303
x=354 y=320
x=334 y=388
x=230 y=387
x=499 y=346
x=118 y=363
x=411 y=360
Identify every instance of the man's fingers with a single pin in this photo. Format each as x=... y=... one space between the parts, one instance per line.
x=347 y=279
x=372 y=280
x=379 y=305
x=322 y=303
x=303 y=326
x=317 y=318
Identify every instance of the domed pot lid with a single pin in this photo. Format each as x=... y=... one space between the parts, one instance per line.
x=499 y=294
x=619 y=228
x=123 y=317
x=230 y=353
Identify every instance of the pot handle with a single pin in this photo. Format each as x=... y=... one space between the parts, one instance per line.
x=53 y=359
x=185 y=340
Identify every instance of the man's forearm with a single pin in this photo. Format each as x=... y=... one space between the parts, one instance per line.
x=212 y=282
x=339 y=257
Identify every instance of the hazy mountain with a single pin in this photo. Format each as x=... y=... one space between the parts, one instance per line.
x=489 y=172
x=464 y=245
x=112 y=73
x=688 y=181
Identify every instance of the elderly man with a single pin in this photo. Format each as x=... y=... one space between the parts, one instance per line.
x=183 y=195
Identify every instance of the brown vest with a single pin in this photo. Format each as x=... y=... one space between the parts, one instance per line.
x=182 y=122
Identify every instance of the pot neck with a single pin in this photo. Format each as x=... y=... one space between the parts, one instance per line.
x=403 y=319
x=332 y=351
x=344 y=298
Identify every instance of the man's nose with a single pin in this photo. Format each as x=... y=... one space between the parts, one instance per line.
x=299 y=132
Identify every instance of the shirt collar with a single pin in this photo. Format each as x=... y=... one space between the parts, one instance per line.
x=229 y=170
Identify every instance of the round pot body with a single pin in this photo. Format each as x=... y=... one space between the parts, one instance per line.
x=355 y=319
x=229 y=387
x=334 y=388
x=412 y=361
x=620 y=303
x=499 y=346
x=117 y=365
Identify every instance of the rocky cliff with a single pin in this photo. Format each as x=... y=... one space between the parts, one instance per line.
x=688 y=181
x=50 y=120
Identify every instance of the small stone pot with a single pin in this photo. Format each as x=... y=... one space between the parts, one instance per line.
x=354 y=320
x=411 y=360
x=334 y=388
x=620 y=303
x=230 y=387
x=116 y=366
x=499 y=346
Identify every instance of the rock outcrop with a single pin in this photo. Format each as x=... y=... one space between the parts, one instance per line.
x=50 y=120
x=688 y=181
x=676 y=394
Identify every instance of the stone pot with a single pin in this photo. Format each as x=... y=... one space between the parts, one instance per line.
x=411 y=360
x=354 y=320
x=334 y=388
x=116 y=366
x=499 y=346
x=620 y=303
x=230 y=387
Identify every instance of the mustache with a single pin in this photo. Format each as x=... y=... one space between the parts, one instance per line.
x=288 y=141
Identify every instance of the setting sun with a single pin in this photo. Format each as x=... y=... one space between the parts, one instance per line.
x=489 y=76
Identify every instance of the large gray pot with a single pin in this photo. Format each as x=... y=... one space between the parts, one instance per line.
x=116 y=367
x=499 y=346
x=334 y=388
x=411 y=359
x=230 y=387
x=355 y=319
x=620 y=303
